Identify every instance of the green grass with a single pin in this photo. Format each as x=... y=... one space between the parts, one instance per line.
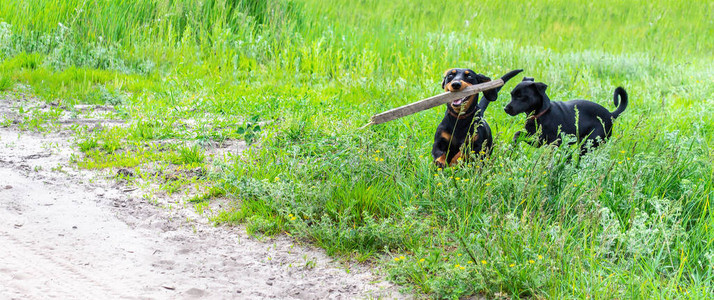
x=295 y=80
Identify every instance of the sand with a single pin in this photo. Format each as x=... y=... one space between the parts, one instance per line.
x=67 y=233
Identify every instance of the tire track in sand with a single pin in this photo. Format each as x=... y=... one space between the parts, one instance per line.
x=19 y=261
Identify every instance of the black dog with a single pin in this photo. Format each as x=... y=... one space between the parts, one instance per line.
x=554 y=118
x=464 y=118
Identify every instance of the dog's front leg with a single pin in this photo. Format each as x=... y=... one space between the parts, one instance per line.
x=439 y=159
x=439 y=150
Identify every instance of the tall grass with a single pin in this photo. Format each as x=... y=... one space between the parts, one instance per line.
x=630 y=220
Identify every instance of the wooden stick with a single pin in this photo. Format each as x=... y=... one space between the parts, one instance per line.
x=396 y=113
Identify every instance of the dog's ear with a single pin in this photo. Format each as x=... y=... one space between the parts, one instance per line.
x=540 y=87
x=480 y=78
x=443 y=81
x=528 y=79
x=490 y=95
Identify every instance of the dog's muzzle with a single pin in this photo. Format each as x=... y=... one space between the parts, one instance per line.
x=509 y=110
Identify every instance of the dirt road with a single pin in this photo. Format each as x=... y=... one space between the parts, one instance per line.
x=70 y=234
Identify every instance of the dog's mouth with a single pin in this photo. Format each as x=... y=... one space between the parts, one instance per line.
x=459 y=102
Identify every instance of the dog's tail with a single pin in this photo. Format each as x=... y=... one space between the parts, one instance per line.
x=621 y=104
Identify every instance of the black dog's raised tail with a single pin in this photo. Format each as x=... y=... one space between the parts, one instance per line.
x=510 y=75
x=621 y=104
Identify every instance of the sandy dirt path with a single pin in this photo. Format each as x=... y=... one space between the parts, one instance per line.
x=69 y=234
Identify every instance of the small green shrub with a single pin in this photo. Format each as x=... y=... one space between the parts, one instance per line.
x=190 y=155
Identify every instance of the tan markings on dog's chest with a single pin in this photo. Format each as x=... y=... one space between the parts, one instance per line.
x=474 y=138
x=446 y=135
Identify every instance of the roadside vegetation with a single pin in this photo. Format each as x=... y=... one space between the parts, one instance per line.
x=293 y=80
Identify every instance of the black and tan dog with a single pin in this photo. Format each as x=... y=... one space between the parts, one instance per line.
x=463 y=120
x=552 y=118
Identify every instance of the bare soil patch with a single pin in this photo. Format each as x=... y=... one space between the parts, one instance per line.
x=75 y=234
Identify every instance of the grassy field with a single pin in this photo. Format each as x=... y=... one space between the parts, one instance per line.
x=295 y=79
